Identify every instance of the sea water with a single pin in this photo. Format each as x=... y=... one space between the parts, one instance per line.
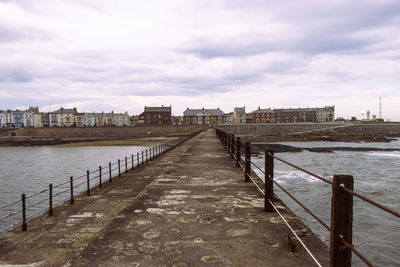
x=376 y=234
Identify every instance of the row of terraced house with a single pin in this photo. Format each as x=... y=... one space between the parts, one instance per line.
x=266 y=115
x=60 y=118
x=159 y=116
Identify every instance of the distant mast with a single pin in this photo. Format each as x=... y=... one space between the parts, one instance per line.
x=380 y=107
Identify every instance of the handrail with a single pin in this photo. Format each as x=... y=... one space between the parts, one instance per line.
x=229 y=144
x=372 y=202
x=141 y=159
x=303 y=170
x=137 y=161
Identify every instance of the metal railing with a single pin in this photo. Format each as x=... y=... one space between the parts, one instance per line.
x=341 y=225
x=18 y=212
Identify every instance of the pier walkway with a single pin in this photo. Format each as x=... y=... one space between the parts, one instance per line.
x=188 y=207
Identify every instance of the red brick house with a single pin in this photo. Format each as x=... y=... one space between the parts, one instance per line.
x=156 y=116
x=264 y=116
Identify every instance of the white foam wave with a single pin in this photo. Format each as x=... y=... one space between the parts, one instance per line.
x=384 y=154
x=286 y=176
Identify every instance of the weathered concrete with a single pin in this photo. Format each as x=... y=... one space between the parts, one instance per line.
x=189 y=207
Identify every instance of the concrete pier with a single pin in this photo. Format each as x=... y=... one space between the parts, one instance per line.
x=188 y=207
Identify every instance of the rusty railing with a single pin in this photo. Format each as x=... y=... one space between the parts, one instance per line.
x=18 y=212
x=341 y=225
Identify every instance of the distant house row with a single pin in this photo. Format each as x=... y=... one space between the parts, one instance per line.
x=267 y=115
x=158 y=116
x=60 y=118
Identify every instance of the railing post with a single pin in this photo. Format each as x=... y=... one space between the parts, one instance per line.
x=238 y=152
x=153 y=151
x=71 y=183
x=269 y=175
x=228 y=142
x=142 y=157
x=146 y=156
x=24 y=225
x=138 y=162
x=126 y=164
x=247 y=163
x=119 y=168
x=88 y=183
x=100 y=185
x=341 y=220
x=232 y=143
x=132 y=162
x=50 y=199
x=109 y=170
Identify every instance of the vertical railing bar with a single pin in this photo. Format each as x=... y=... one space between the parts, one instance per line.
x=87 y=183
x=109 y=170
x=24 y=225
x=50 y=199
x=71 y=183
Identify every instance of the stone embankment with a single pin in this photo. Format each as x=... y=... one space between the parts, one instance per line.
x=384 y=132
x=29 y=136
x=188 y=207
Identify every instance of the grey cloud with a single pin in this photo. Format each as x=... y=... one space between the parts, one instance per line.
x=13 y=74
x=12 y=33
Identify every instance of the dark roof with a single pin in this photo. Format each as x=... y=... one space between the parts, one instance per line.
x=194 y=112
x=266 y=110
x=157 y=109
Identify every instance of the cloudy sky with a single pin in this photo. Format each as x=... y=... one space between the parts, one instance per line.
x=122 y=55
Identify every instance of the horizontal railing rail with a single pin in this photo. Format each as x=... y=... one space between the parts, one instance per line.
x=340 y=229
x=75 y=186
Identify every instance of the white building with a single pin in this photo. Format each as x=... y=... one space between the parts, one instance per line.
x=6 y=119
x=28 y=118
x=89 y=119
x=121 y=119
x=54 y=118
x=37 y=120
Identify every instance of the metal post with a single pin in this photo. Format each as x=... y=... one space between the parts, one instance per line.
x=50 y=199
x=142 y=156
x=88 y=183
x=146 y=156
x=238 y=152
x=247 y=163
x=269 y=175
x=232 y=143
x=138 y=162
x=100 y=185
x=71 y=183
x=341 y=220
x=109 y=170
x=153 y=151
x=119 y=168
x=126 y=164
x=228 y=145
x=132 y=161
x=24 y=225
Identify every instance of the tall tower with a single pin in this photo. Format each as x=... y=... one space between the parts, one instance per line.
x=380 y=107
x=368 y=115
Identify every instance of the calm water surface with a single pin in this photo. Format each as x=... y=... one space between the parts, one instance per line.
x=30 y=169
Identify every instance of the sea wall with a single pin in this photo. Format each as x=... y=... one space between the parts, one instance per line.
x=107 y=131
x=273 y=129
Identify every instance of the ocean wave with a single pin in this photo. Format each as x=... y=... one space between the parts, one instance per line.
x=291 y=175
x=385 y=154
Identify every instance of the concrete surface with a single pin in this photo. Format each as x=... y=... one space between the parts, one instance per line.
x=188 y=207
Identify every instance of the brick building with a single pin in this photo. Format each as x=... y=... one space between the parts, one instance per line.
x=266 y=115
x=156 y=116
x=289 y=115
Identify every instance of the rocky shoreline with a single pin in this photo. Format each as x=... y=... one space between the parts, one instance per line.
x=279 y=148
